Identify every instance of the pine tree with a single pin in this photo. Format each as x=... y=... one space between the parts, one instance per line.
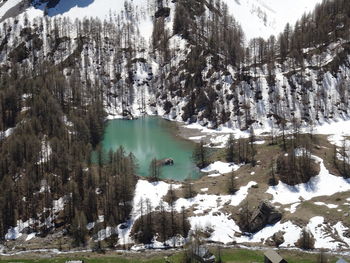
x=78 y=229
x=306 y=240
x=272 y=180
x=252 y=146
x=154 y=170
x=232 y=185
x=200 y=155
x=230 y=149
x=188 y=188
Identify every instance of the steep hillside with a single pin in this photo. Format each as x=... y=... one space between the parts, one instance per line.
x=258 y=18
x=262 y=18
x=62 y=75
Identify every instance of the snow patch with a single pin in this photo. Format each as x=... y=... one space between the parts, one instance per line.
x=30 y=236
x=152 y=192
x=204 y=202
x=324 y=184
x=7 y=6
x=293 y=207
x=221 y=167
x=328 y=205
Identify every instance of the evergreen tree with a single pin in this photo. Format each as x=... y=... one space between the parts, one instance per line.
x=232 y=185
x=200 y=155
x=154 y=170
x=230 y=149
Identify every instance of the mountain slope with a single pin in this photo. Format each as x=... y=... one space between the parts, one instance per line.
x=258 y=18
x=59 y=76
x=78 y=9
x=262 y=18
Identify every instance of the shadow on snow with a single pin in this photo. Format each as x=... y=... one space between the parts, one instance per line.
x=59 y=7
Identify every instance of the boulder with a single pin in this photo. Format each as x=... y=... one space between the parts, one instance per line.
x=165 y=162
x=127 y=115
x=276 y=240
x=264 y=215
x=346 y=233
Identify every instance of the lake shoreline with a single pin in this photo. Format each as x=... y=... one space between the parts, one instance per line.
x=191 y=134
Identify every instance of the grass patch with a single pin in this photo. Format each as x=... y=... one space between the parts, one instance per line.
x=242 y=256
x=176 y=258
x=248 y=256
x=229 y=255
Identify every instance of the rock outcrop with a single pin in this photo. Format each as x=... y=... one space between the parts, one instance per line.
x=264 y=215
x=276 y=239
x=252 y=221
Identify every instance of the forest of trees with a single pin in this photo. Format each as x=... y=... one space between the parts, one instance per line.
x=58 y=77
x=217 y=40
x=57 y=123
x=33 y=176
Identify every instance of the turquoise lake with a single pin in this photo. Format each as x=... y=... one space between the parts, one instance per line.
x=152 y=137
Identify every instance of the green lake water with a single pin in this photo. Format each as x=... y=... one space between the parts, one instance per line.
x=152 y=137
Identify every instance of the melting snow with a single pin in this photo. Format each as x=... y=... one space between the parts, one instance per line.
x=30 y=236
x=7 y=133
x=221 y=167
x=197 y=138
x=222 y=225
x=205 y=202
x=328 y=205
x=293 y=207
x=45 y=152
x=153 y=192
x=262 y=18
x=317 y=229
x=259 y=142
x=324 y=184
x=15 y=232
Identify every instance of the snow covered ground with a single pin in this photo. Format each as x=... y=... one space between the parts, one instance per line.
x=258 y=18
x=218 y=168
x=337 y=131
x=262 y=18
x=153 y=192
x=102 y=9
x=7 y=133
x=224 y=227
x=324 y=184
x=338 y=128
x=7 y=5
x=208 y=216
x=17 y=231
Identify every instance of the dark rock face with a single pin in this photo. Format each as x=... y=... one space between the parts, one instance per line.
x=264 y=215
